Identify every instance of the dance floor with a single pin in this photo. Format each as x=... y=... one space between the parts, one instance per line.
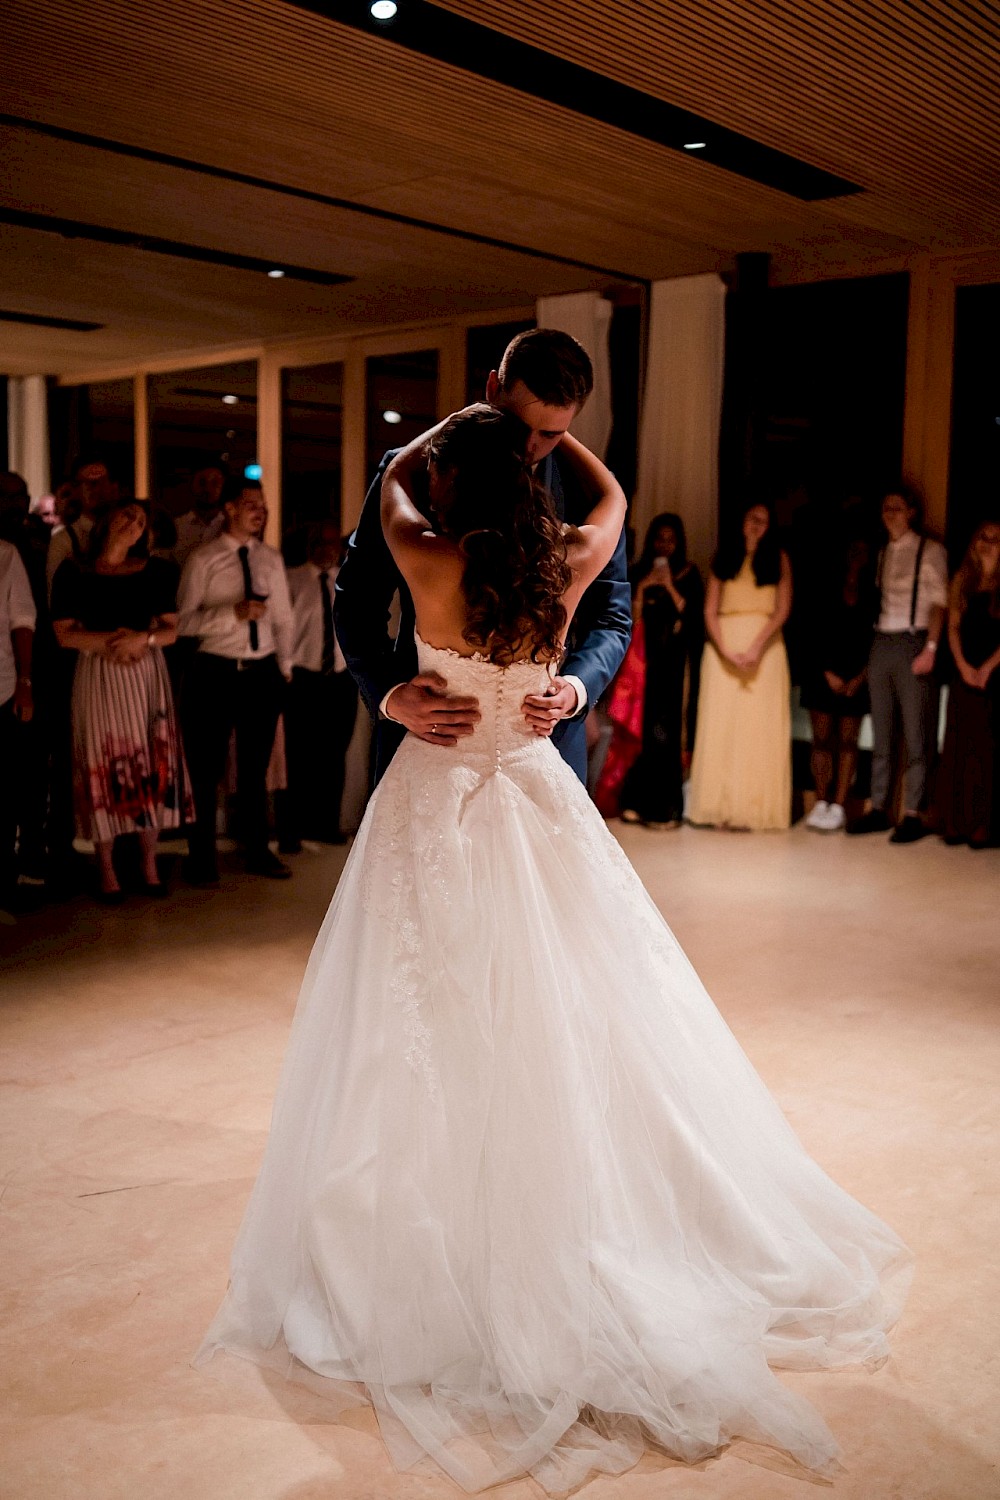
x=141 y=1047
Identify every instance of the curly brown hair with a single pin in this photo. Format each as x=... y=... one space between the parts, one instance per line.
x=516 y=569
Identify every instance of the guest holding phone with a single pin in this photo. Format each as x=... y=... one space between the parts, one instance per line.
x=967 y=796
x=653 y=717
x=234 y=599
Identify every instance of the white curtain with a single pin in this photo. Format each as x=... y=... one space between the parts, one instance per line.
x=587 y=316
x=682 y=410
x=28 y=432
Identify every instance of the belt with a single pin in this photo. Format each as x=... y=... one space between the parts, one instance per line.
x=239 y=663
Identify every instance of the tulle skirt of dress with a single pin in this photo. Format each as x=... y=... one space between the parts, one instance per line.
x=523 y=1190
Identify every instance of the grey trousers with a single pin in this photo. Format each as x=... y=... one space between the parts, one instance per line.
x=896 y=691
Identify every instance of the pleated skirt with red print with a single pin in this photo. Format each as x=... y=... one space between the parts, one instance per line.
x=128 y=761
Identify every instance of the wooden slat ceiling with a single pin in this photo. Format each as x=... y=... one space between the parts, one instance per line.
x=902 y=99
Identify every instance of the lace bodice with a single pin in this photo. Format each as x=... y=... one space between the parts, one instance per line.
x=500 y=691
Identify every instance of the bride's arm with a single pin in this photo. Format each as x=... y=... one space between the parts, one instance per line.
x=592 y=544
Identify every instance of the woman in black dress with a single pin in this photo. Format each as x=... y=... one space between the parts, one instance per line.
x=834 y=687
x=967 y=798
x=116 y=608
x=668 y=605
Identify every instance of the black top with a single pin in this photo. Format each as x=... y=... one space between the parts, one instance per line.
x=979 y=630
x=114 y=601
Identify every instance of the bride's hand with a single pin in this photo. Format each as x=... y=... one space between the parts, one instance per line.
x=426 y=708
x=542 y=711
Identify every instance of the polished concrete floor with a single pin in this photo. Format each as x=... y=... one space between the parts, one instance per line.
x=140 y=1052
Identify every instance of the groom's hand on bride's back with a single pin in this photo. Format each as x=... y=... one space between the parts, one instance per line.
x=425 y=707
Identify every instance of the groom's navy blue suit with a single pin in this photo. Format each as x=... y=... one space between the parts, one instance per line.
x=369 y=579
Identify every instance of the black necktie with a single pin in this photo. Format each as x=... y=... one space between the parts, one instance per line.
x=329 y=655
x=244 y=556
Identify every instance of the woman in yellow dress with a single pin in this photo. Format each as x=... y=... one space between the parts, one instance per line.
x=741 y=775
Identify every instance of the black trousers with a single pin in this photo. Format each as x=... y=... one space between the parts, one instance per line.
x=320 y=714
x=219 y=696
x=13 y=743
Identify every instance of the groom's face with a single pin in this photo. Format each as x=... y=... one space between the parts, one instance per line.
x=544 y=425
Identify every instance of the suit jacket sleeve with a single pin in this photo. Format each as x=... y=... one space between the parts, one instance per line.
x=602 y=626
x=366 y=585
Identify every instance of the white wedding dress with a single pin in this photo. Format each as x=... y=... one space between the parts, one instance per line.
x=523 y=1190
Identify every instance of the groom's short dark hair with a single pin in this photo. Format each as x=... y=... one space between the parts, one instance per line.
x=553 y=366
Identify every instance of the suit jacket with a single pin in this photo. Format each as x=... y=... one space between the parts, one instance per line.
x=369 y=579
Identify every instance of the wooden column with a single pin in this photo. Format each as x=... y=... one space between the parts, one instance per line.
x=140 y=420
x=929 y=357
x=353 y=441
x=269 y=443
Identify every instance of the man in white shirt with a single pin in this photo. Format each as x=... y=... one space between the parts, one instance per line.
x=322 y=703
x=17 y=628
x=233 y=597
x=204 y=521
x=913 y=580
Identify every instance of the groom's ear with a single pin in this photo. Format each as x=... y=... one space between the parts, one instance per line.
x=492 y=387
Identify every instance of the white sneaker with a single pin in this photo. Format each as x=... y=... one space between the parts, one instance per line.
x=835 y=818
x=817 y=818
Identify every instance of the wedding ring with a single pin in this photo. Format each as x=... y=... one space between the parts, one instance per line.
x=434 y=729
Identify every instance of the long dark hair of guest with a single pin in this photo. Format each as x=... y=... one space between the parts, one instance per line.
x=102 y=529
x=643 y=564
x=507 y=529
x=732 y=550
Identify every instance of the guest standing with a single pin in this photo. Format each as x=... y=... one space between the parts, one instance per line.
x=234 y=599
x=741 y=775
x=913 y=592
x=968 y=803
x=322 y=703
x=834 y=686
x=17 y=625
x=654 y=729
x=116 y=608
x=204 y=521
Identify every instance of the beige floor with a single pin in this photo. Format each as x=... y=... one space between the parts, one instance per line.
x=141 y=1048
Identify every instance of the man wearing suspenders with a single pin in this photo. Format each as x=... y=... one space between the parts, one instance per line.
x=913 y=583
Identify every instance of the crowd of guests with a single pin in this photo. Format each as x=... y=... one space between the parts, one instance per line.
x=147 y=662
x=142 y=658
x=704 y=690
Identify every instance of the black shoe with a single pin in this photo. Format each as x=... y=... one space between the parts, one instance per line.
x=289 y=846
x=909 y=831
x=111 y=898
x=156 y=891
x=200 y=872
x=874 y=821
x=268 y=865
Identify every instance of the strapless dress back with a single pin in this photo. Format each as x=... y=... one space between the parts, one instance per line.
x=523 y=1190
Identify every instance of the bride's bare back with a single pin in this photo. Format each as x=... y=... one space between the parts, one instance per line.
x=433 y=566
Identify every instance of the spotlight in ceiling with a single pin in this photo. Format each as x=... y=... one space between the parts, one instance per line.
x=230 y=400
x=695 y=145
x=384 y=10
x=392 y=417
x=276 y=274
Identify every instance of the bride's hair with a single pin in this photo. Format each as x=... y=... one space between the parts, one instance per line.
x=506 y=526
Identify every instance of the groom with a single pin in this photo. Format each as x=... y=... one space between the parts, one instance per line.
x=544 y=378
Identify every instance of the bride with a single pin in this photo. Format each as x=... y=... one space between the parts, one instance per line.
x=523 y=1191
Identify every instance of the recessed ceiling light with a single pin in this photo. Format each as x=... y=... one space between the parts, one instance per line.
x=392 y=417
x=276 y=274
x=695 y=145
x=230 y=400
x=384 y=10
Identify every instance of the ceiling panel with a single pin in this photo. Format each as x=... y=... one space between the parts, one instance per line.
x=901 y=99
